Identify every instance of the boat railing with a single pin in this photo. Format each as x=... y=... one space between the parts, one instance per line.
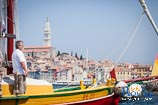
x=142 y=79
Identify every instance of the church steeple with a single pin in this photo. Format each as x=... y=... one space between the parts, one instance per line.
x=47 y=33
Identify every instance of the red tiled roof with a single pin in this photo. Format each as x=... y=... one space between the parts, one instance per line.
x=37 y=49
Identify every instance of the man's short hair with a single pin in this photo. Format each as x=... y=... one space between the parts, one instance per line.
x=17 y=43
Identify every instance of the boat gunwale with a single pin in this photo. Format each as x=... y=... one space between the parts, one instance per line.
x=58 y=94
x=89 y=100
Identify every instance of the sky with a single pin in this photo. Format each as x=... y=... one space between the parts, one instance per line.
x=97 y=29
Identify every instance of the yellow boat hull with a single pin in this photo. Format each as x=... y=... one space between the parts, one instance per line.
x=69 y=97
x=41 y=93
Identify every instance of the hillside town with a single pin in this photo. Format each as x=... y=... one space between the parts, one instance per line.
x=44 y=62
x=88 y=58
x=66 y=67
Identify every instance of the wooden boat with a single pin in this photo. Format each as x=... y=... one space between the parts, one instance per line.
x=40 y=92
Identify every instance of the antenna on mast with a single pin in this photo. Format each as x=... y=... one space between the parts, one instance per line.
x=87 y=58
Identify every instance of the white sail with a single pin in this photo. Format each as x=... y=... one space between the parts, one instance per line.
x=3 y=29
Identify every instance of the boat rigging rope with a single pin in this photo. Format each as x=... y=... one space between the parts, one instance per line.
x=147 y=12
x=133 y=34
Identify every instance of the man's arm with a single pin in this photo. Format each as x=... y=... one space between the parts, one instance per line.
x=24 y=67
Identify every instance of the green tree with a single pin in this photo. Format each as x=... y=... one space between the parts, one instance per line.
x=81 y=57
x=76 y=55
x=58 y=53
x=71 y=53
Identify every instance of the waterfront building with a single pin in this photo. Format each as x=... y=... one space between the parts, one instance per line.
x=131 y=71
x=77 y=73
x=123 y=72
x=139 y=71
x=63 y=74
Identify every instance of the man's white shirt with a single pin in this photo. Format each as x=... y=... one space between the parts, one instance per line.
x=17 y=57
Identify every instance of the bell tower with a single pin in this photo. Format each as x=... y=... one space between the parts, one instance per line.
x=47 y=33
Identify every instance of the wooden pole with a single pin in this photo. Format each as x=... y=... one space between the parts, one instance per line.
x=10 y=29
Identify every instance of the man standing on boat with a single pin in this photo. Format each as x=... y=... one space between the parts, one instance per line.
x=19 y=68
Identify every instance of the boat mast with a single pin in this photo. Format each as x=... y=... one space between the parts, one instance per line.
x=147 y=12
x=10 y=29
